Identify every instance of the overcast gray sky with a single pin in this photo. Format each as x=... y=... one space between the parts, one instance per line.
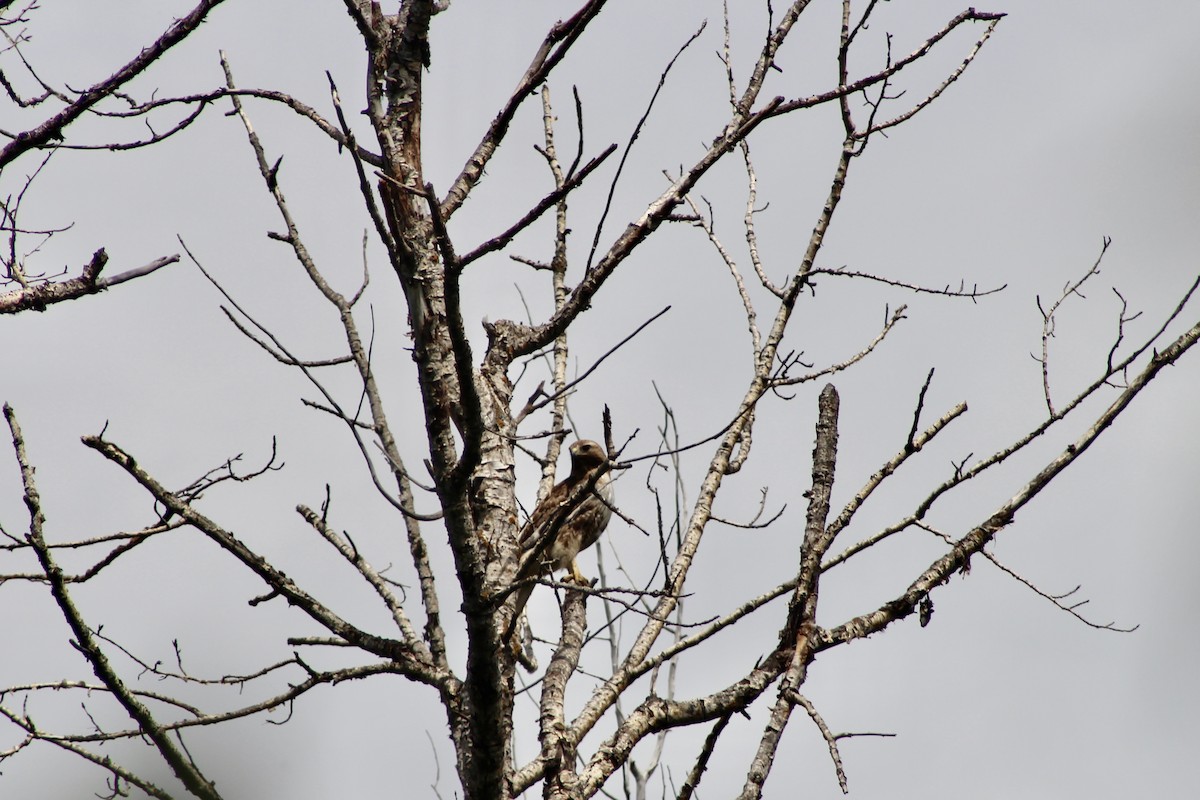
x=1079 y=120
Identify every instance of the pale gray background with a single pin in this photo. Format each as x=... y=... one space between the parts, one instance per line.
x=1079 y=120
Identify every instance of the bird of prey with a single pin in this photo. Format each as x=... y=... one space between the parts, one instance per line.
x=580 y=514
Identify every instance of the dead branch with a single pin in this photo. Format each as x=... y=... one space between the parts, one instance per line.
x=181 y=764
x=972 y=293
x=355 y=558
x=975 y=540
x=533 y=406
x=554 y=47
x=962 y=474
x=710 y=742
x=39 y=296
x=1058 y=600
x=853 y=87
x=704 y=222
x=633 y=137
x=414 y=661
x=53 y=127
x=501 y=240
x=796 y=639
x=830 y=739
x=781 y=378
x=1049 y=319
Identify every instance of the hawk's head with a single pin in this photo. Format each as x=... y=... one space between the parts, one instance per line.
x=586 y=455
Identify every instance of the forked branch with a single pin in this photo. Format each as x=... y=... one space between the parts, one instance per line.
x=977 y=538
x=175 y=756
x=53 y=127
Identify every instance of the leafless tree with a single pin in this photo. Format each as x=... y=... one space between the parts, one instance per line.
x=455 y=489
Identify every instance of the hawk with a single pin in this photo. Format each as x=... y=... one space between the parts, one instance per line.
x=578 y=530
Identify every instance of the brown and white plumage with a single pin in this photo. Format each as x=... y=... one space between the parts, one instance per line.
x=584 y=523
x=578 y=530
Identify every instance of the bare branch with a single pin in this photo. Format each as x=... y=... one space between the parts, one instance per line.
x=830 y=739
x=533 y=406
x=782 y=379
x=414 y=661
x=875 y=127
x=976 y=539
x=705 y=223
x=633 y=137
x=853 y=87
x=554 y=47
x=53 y=127
x=181 y=764
x=105 y=762
x=355 y=558
x=973 y=293
x=39 y=296
x=710 y=743
x=912 y=446
x=1058 y=600
x=797 y=637
x=541 y=207
x=963 y=474
x=1049 y=319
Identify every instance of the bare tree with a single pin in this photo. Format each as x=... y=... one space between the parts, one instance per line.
x=455 y=488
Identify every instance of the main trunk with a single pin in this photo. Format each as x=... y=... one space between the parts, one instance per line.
x=461 y=405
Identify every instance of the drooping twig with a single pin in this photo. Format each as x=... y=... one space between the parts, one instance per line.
x=830 y=739
x=1058 y=600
